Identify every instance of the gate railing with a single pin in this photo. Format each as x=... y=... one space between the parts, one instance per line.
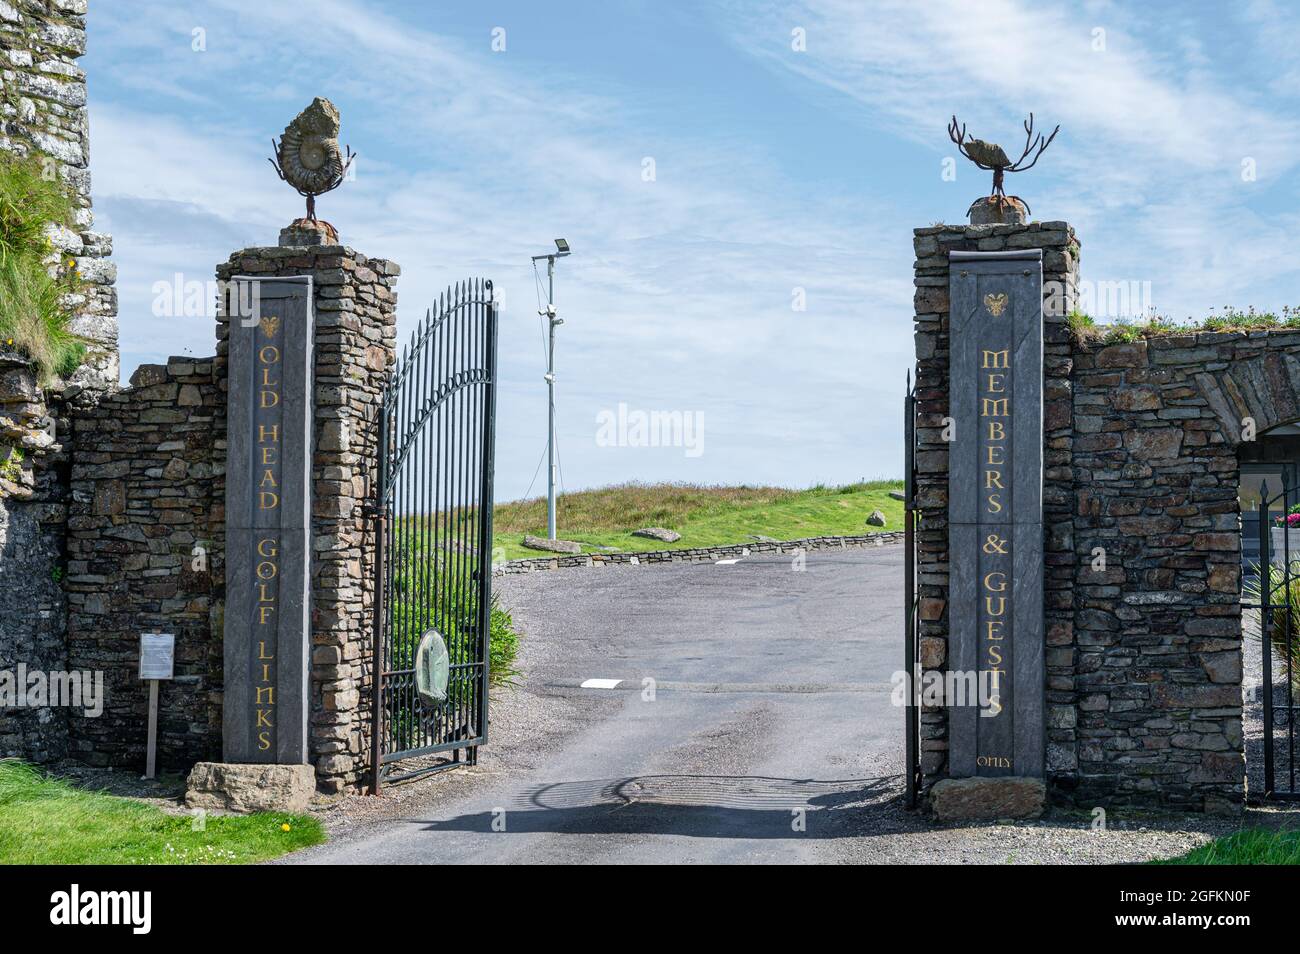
x=1277 y=588
x=432 y=515
x=911 y=715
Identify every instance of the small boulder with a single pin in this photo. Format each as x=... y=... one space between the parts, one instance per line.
x=658 y=533
x=263 y=787
x=898 y=495
x=552 y=546
x=877 y=519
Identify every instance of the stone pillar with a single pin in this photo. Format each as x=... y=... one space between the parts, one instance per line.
x=355 y=338
x=1060 y=281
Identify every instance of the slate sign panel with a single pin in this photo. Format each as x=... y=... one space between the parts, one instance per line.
x=995 y=514
x=268 y=525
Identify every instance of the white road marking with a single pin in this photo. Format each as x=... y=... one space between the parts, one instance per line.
x=601 y=684
x=727 y=562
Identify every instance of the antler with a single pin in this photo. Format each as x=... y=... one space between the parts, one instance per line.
x=958 y=135
x=1032 y=144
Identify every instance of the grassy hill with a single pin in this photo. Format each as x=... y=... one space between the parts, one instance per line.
x=704 y=516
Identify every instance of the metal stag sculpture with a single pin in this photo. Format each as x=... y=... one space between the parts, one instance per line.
x=308 y=156
x=989 y=155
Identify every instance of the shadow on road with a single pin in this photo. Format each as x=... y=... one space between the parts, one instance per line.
x=709 y=806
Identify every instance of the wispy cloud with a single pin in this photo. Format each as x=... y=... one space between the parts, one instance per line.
x=1156 y=134
x=678 y=295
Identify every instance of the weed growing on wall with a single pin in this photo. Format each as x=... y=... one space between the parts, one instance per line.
x=34 y=310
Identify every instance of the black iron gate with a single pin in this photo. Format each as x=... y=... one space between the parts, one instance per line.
x=1273 y=588
x=911 y=746
x=433 y=532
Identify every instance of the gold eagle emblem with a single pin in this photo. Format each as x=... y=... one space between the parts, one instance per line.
x=995 y=303
x=270 y=323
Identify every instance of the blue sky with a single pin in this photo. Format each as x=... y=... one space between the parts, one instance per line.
x=775 y=170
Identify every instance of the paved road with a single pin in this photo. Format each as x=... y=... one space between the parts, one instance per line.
x=770 y=716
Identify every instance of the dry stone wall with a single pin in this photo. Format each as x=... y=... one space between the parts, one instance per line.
x=145 y=535
x=43 y=116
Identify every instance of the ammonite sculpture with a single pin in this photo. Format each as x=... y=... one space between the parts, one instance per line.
x=307 y=155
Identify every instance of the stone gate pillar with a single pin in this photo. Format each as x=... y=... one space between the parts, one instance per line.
x=353 y=305
x=939 y=616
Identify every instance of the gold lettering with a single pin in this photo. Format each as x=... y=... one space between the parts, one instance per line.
x=995 y=383
x=995 y=503
x=995 y=359
x=263 y=436
x=1000 y=587
x=995 y=449
x=270 y=695
x=263 y=612
x=266 y=500
x=994 y=407
x=997 y=431
x=993 y=478
x=263 y=740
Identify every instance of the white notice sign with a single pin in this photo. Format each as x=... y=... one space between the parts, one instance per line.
x=157 y=651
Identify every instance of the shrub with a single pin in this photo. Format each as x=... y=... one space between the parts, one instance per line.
x=1284 y=599
x=34 y=314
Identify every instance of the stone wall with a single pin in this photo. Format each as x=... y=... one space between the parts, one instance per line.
x=696 y=554
x=1141 y=468
x=145 y=533
x=356 y=330
x=33 y=513
x=1157 y=634
x=43 y=107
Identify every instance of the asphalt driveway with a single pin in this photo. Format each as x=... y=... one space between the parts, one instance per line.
x=749 y=720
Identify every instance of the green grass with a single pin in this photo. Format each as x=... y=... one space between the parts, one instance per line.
x=1125 y=330
x=45 y=821
x=704 y=516
x=1253 y=846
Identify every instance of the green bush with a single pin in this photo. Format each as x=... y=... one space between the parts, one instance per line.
x=33 y=315
x=435 y=588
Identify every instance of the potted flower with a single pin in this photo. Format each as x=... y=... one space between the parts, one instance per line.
x=1284 y=537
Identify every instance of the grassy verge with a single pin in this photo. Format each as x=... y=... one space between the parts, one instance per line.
x=704 y=516
x=44 y=821
x=1253 y=846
